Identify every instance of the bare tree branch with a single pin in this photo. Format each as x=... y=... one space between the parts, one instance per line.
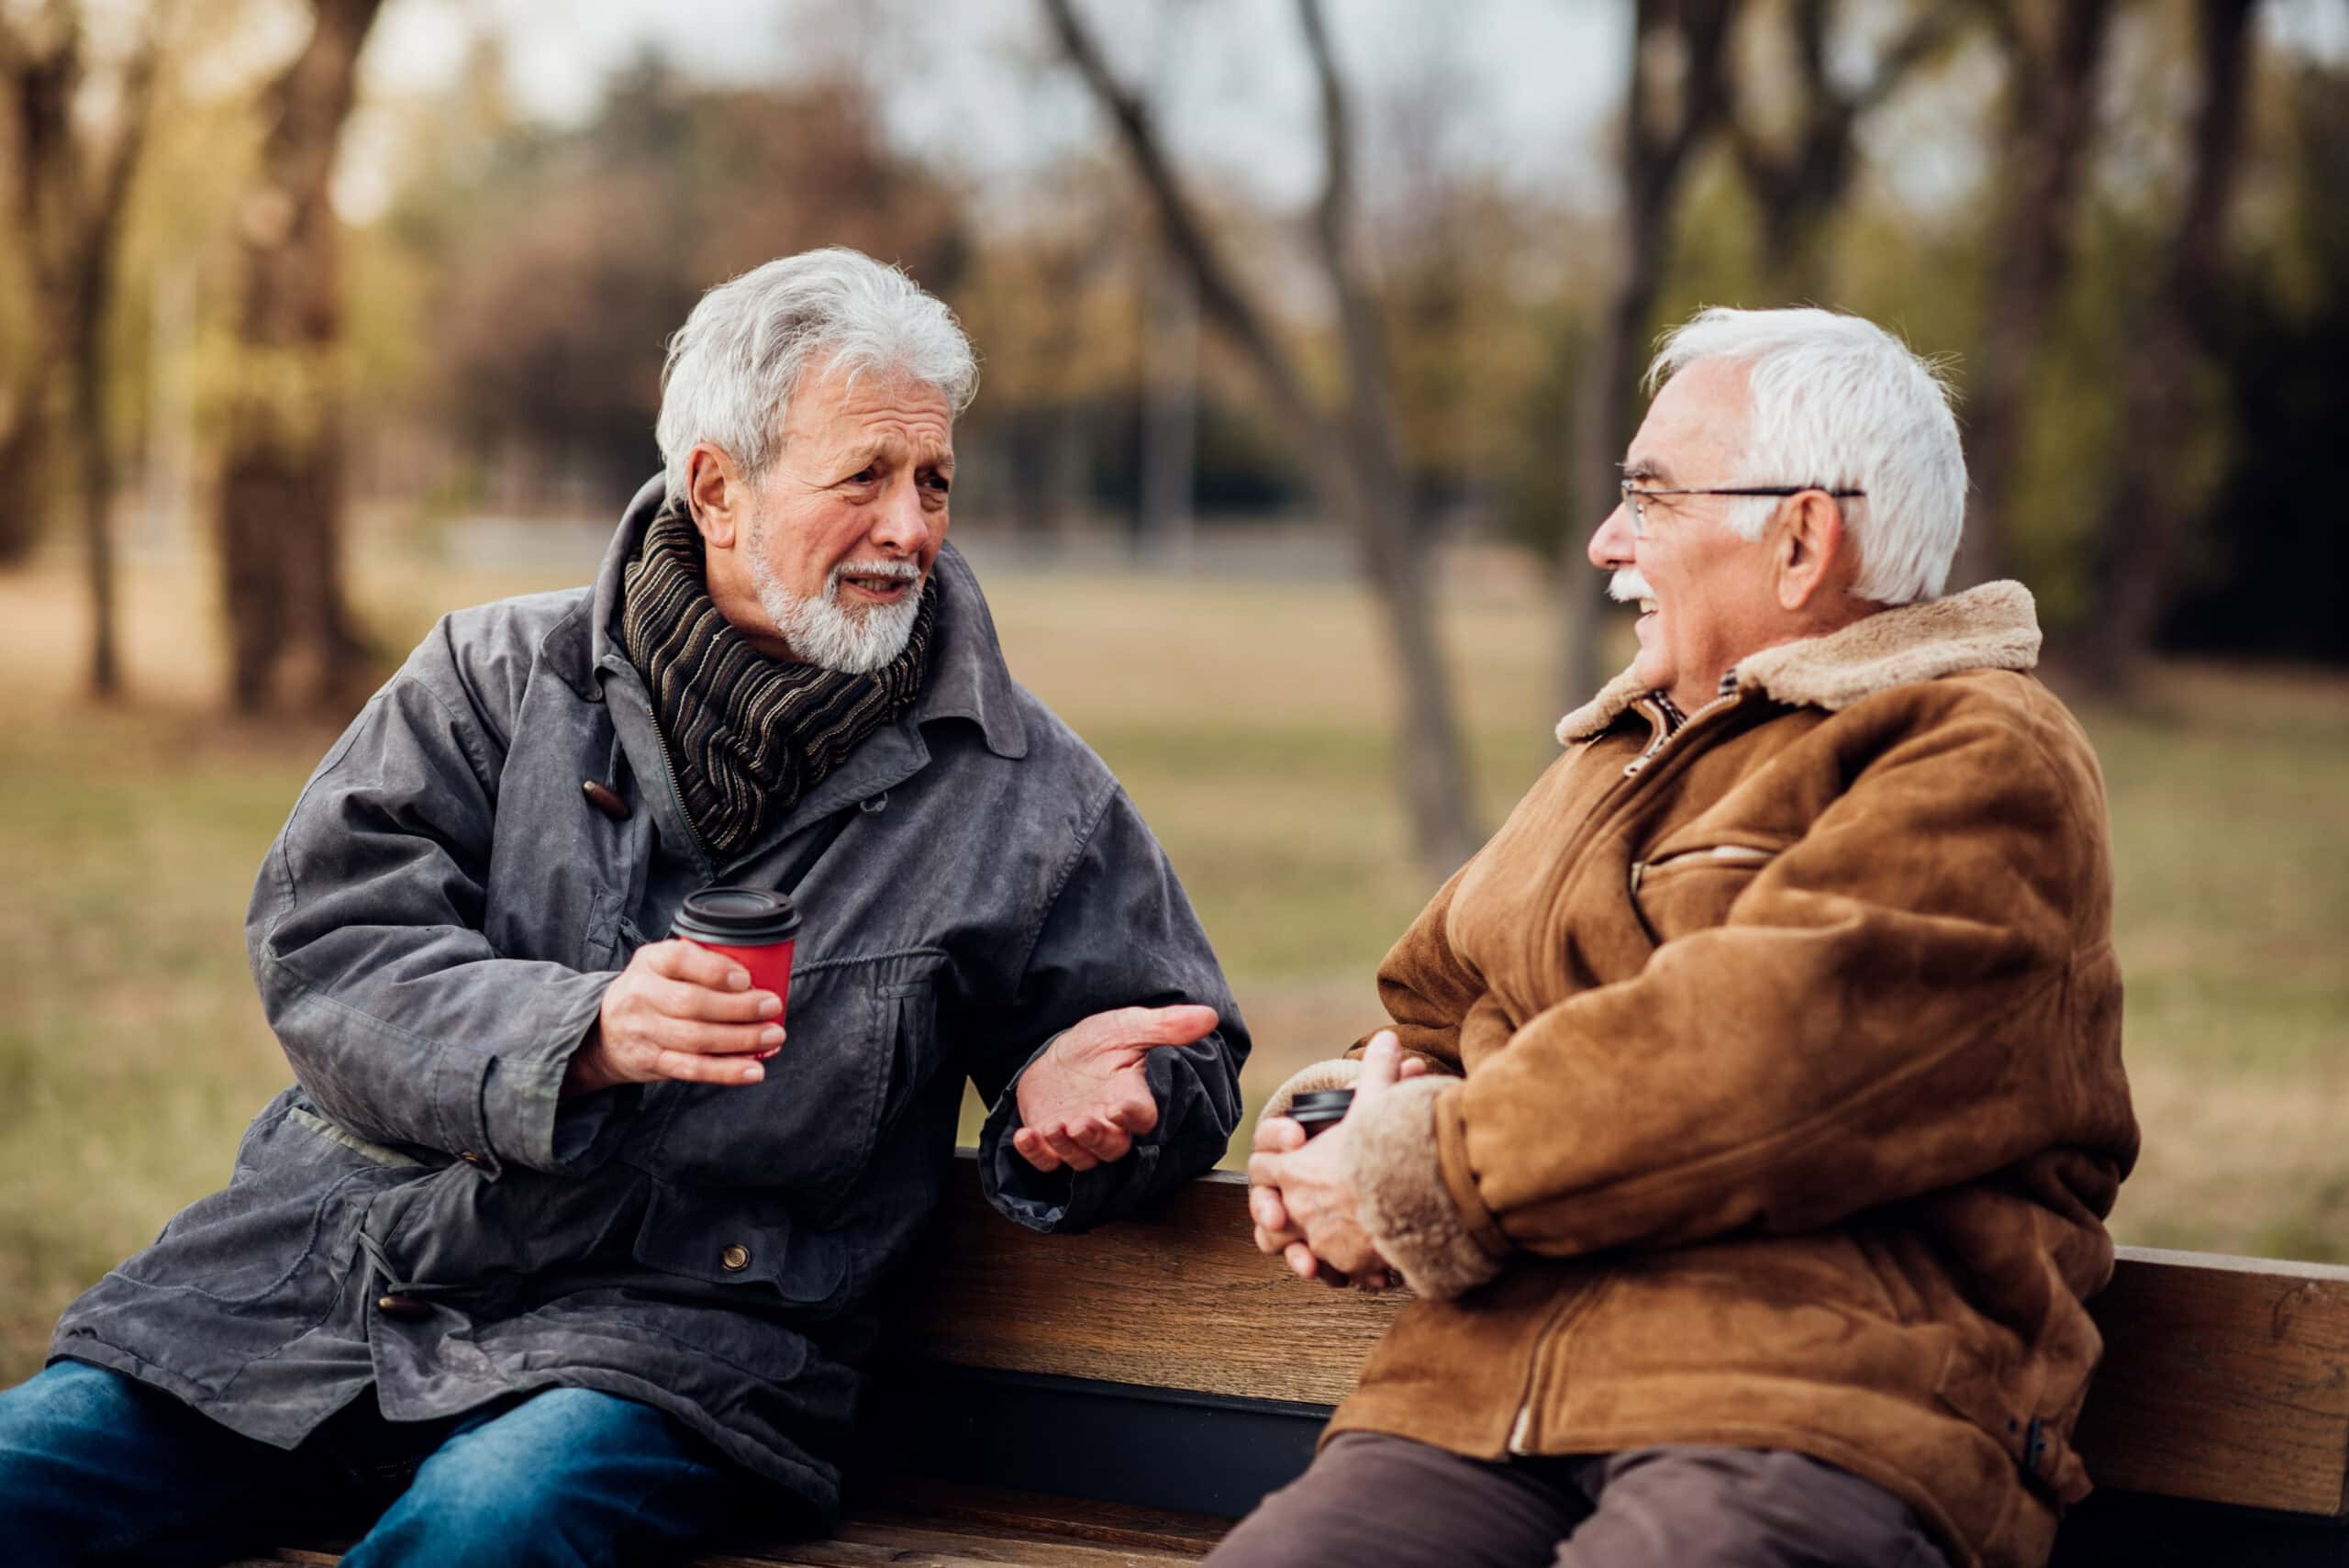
x=1797 y=185
x=1370 y=407
x=280 y=500
x=70 y=198
x=1353 y=458
x=2050 y=123
x=1219 y=295
x=2143 y=526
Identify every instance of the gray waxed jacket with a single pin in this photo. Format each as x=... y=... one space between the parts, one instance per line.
x=433 y=933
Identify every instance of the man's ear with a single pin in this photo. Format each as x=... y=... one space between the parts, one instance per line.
x=1810 y=550
x=716 y=495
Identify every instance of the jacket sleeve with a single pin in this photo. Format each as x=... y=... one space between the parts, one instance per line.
x=1885 y=1011
x=401 y=1020
x=1118 y=932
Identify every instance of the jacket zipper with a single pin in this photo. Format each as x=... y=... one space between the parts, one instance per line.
x=676 y=795
x=1520 y=1434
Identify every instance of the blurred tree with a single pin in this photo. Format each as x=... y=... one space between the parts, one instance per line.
x=1354 y=451
x=1464 y=265
x=1799 y=179
x=281 y=505
x=1679 y=96
x=1057 y=302
x=567 y=259
x=2174 y=386
x=2267 y=561
x=73 y=188
x=2053 y=51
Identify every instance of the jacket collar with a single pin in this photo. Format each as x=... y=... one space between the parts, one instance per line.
x=1994 y=627
x=968 y=678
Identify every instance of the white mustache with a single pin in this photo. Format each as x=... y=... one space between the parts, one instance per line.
x=904 y=569
x=1628 y=588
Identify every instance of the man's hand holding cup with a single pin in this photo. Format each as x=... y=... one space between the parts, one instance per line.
x=1300 y=1199
x=678 y=1011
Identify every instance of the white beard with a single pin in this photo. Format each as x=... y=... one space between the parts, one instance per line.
x=823 y=634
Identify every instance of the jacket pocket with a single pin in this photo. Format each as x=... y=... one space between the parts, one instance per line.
x=860 y=1033
x=280 y=1231
x=1683 y=891
x=746 y=1244
x=912 y=1026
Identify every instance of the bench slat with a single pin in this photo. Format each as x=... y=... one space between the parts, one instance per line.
x=2224 y=1379
x=1180 y=1299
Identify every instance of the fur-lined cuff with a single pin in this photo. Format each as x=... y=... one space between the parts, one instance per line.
x=1392 y=1162
x=1338 y=1073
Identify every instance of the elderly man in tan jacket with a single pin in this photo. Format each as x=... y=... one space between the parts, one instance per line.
x=1754 y=1101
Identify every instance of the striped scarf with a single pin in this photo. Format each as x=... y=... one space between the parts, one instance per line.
x=748 y=735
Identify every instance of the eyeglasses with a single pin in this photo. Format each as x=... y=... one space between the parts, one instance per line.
x=1638 y=499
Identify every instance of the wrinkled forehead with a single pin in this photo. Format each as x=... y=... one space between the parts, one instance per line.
x=1697 y=430
x=862 y=406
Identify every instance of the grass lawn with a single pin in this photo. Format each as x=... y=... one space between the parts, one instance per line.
x=1251 y=724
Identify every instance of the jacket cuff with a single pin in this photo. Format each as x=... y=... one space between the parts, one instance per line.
x=1338 y=1073
x=1392 y=1161
x=518 y=1110
x=1066 y=1199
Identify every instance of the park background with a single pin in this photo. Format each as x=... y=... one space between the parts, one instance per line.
x=1310 y=330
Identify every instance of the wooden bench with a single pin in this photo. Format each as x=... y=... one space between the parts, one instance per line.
x=1118 y=1398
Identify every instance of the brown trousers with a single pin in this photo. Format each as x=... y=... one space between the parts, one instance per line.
x=1369 y=1500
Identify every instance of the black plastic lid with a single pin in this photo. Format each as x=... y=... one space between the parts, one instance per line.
x=736 y=917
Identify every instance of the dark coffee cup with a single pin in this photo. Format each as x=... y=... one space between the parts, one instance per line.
x=1320 y=1109
x=755 y=927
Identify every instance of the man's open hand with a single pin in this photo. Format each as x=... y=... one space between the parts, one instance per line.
x=1081 y=1102
x=680 y=1011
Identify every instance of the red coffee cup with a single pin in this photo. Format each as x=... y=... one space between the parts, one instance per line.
x=755 y=927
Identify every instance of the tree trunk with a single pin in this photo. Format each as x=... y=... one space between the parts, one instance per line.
x=71 y=196
x=1356 y=468
x=1170 y=410
x=281 y=507
x=1604 y=409
x=2049 y=128
x=23 y=447
x=1799 y=187
x=86 y=360
x=2142 y=530
x=1663 y=128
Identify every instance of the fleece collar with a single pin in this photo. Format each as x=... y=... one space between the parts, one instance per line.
x=1994 y=627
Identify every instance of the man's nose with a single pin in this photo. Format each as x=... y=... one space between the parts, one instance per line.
x=901 y=524
x=1613 y=545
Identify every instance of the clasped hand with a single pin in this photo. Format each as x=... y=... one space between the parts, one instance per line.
x=1301 y=1197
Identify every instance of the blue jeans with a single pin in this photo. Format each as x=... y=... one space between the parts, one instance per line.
x=95 y=1467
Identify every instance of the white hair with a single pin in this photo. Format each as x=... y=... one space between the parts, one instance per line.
x=1840 y=402
x=735 y=364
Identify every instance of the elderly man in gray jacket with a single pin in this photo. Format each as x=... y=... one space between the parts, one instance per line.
x=559 y=1250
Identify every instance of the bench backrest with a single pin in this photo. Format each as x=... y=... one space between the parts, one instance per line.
x=2225 y=1380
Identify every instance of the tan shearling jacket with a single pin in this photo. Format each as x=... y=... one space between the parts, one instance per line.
x=1790 y=1103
